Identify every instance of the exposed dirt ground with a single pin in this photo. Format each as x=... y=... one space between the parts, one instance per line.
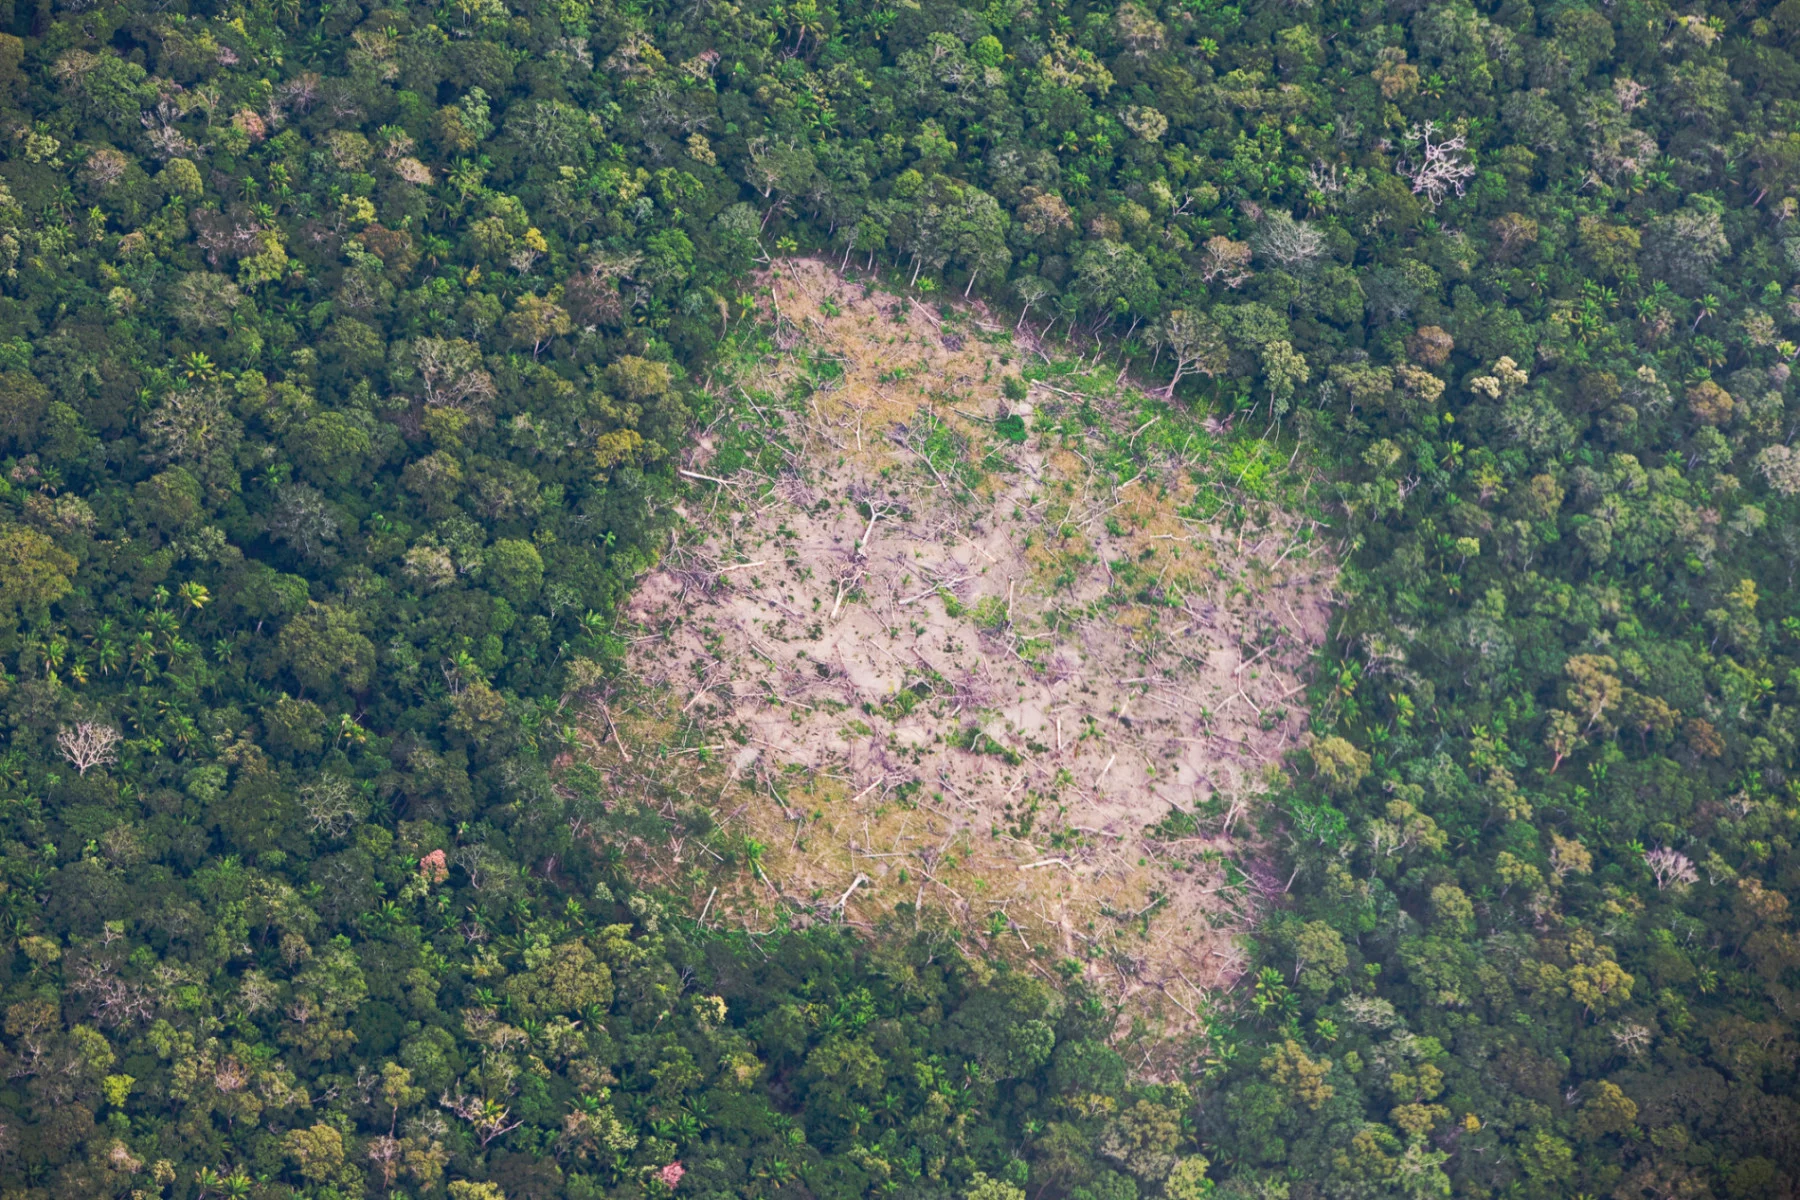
x=985 y=656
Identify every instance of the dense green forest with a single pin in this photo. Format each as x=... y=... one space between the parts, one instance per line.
x=345 y=351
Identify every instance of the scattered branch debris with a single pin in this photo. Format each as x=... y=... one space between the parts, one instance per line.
x=1024 y=663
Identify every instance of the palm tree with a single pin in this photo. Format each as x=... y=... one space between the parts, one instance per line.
x=143 y=655
x=164 y=623
x=193 y=596
x=805 y=15
x=1708 y=305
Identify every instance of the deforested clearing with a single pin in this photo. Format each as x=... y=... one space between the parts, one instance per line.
x=959 y=630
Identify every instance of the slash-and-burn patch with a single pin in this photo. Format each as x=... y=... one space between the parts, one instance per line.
x=1019 y=664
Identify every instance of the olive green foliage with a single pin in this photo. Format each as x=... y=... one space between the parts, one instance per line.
x=345 y=355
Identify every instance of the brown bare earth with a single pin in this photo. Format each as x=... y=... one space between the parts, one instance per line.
x=925 y=670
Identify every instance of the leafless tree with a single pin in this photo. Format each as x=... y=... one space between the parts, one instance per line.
x=384 y=1152
x=191 y=425
x=1290 y=244
x=593 y=295
x=88 y=744
x=1632 y=1037
x=1442 y=167
x=113 y=1000
x=330 y=803
x=228 y=235
x=105 y=167
x=166 y=140
x=299 y=93
x=1670 y=868
x=477 y=861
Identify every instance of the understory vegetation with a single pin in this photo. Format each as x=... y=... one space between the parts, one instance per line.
x=346 y=352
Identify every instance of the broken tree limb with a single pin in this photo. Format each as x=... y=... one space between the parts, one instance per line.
x=875 y=514
x=854 y=884
x=614 y=731
x=924 y=458
x=841 y=591
x=706 y=478
x=932 y=591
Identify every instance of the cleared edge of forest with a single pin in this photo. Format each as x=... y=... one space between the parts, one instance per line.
x=1017 y=670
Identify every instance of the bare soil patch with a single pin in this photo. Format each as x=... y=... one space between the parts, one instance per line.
x=1019 y=666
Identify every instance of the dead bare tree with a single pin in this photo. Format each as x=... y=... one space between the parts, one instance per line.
x=878 y=505
x=88 y=744
x=330 y=802
x=1442 y=166
x=1670 y=868
x=384 y=1152
x=1290 y=244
